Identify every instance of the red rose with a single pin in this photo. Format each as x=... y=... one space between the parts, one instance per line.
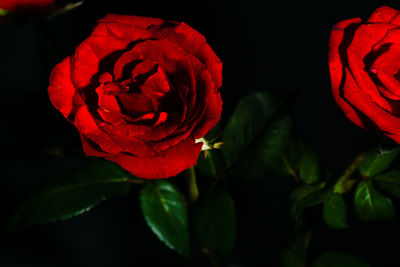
x=364 y=62
x=141 y=91
x=25 y=5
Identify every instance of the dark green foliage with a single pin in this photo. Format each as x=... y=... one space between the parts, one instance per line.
x=371 y=205
x=256 y=135
x=71 y=193
x=165 y=212
x=334 y=212
x=215 y=219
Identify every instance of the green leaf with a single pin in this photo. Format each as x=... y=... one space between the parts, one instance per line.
x=307 y=196
x=334 y=212
x=376 y=161
x=389 y=182
x=164 y=210
x=71 y=193
x=309 y=166
x=335 y=259
x=256 y=135
x=212 y=165
x=370 y=205
x=215 y=219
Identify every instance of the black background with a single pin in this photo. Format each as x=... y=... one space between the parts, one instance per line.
x=263 y=45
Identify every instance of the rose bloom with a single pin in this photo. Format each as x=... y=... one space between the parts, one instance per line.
x=364 y=62
x=25 y=6
x=141 y=91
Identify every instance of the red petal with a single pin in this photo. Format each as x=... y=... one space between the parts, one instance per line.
x=391 y=36
x=157 y=85
x=61 y=90
x=87 y=125
x=144 y=133
x=142 y=22
x=140 y=65
x=107 y=101
x=382 y=14
x=161 y=118
x=195 y=44
x=384 y=120
x=166 y=164
x=365 y=37
x=396 y=19
x=121 y=31
x=90 y=148
x=125 y=136
x=86 y=61
x=136 y=105
x=105 y=41
x=391 y=84
x=111 y=117
x=339 y=36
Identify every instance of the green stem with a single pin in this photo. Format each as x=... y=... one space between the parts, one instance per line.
x=344 y=184
x=193 y=189
x=136 y=181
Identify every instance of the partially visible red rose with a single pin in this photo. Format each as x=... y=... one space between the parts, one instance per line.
x=25 y=6
x=141 y=91
x=364 y=62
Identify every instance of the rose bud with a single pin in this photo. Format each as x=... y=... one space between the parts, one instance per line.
x=140 y=92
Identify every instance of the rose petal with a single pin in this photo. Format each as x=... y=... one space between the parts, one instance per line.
x=126 y=60
x=136 y=105
x=111 y=117
x=385 y=121
x=107 y=101
x=195 y=44
x=365 y=37
x=392 y=36
x=166 y=164
x=388 y=94
x=95 y=55
x=341 y=35
x=90 y=148
x=62 y=92
x=142 y=22
x=382 y=14
x=161 y=118
x=390 y=83
x=157 y=85
x=86 y=125
x=121 y=31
